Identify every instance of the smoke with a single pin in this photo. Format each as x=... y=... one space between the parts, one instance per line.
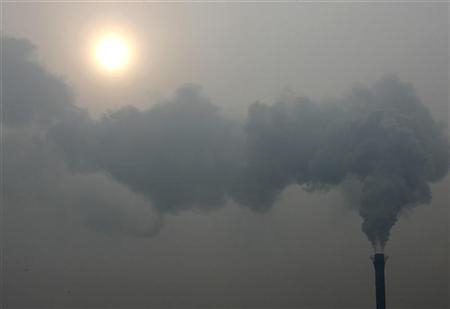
x=383 y=137
x=31 y=95
x=184 y=154
x=180 y=153
x=37 y=180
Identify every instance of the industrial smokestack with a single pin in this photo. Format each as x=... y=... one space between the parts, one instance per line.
x=379 y=260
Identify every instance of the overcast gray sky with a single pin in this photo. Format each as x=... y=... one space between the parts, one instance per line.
x=244 y=52
x=84 y=232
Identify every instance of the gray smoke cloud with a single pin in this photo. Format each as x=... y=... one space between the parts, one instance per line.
x=383 y=137
x=180 y=153
x=36 y=175
x=184 y=154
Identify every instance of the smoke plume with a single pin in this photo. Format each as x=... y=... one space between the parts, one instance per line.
x=383 y=136
x=184 y=154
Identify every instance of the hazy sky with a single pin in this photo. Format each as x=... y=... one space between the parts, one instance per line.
x=86 y=235
x=241 y=53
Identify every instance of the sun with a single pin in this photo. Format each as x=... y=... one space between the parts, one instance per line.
x=112 y=53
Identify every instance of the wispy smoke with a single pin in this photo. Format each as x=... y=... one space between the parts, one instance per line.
x=183 y=154
x=36 y=177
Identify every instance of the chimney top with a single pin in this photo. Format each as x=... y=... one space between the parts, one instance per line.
x=379 y=258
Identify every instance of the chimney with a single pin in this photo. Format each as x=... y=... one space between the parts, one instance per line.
x=379 y=260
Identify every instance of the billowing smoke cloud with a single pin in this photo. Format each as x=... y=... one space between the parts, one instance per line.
x=383 y=137
x=180 y=153
x=183 y=154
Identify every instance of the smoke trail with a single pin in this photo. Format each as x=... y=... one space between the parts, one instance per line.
x=382 y=136
x=183 y=154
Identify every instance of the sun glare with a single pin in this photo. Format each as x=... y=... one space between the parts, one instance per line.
x=112 y=53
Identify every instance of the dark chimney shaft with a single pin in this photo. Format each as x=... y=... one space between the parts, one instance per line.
x=379 y=261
